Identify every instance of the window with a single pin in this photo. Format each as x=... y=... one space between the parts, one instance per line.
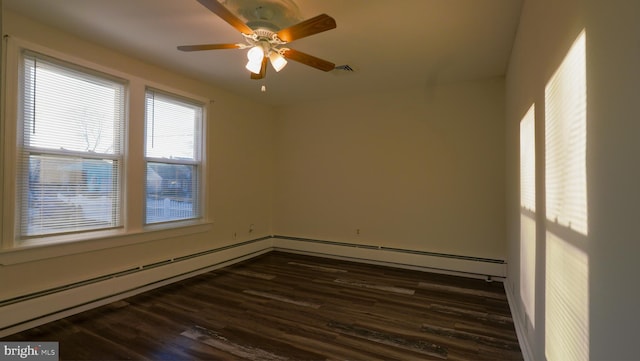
x=76 y=160
x=70 y=153
x=173 y=157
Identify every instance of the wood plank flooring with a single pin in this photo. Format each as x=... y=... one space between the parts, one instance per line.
x=286 y=307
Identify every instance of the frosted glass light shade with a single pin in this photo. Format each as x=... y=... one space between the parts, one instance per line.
x=277 y=61
x=254 y=67
x=255 y=54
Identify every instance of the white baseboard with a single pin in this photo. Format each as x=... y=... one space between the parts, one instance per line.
x=519 y=323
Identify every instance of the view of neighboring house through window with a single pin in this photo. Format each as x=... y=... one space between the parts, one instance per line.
x=70 y=158
x=172 y=153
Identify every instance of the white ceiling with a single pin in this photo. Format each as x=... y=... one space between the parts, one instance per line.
x=390 y=44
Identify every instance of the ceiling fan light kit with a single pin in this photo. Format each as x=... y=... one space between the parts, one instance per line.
x=266 y=42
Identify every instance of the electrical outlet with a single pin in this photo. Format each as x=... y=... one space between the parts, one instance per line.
x=251 y=227
x=235 y=235
x=358 y=231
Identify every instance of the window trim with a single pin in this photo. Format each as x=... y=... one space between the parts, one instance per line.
x=35 y=250
x=119 y=155
x=199 y=155
x=130 y=232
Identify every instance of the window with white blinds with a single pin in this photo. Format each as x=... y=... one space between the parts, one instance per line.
x=173 y=131
x=566 y=141
x=70 y=155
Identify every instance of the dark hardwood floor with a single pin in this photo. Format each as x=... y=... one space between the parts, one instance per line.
x=284 y=306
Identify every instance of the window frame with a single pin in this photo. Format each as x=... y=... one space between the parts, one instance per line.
x=14 y=250
x=197 y=162
x=24 y=151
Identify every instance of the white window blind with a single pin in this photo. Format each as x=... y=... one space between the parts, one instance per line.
x=173 y=157
x=565 y=140
x=70 y=161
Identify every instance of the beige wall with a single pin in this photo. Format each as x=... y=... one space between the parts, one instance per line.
x=611 y=247
x=418 y=169
x=239 y=178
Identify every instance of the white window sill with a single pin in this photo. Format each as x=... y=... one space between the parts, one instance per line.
x=51 y=247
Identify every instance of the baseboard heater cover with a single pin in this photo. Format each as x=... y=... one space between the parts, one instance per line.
x=23 y=312
x=26 y=311
x=478 y=267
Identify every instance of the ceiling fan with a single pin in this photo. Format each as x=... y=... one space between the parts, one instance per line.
x=267 y=42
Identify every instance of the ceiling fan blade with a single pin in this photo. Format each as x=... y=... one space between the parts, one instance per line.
x=308 y=27
x=308 y=60
x=263 y=70
x=207 y=47
x=226 y=15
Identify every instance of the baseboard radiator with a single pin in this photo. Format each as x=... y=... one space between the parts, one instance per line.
x=34 y=309
x=486 y=268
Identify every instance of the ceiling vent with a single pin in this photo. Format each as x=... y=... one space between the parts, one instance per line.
x=344 y=67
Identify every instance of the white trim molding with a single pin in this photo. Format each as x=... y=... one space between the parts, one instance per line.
x=519 y=323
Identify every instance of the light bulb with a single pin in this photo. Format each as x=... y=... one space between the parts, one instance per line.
x=255 y=54
x=277 y=61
